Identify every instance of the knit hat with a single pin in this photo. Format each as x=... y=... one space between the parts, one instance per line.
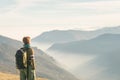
x=26 y=40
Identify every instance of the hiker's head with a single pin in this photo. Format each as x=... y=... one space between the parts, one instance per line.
x=26 y=40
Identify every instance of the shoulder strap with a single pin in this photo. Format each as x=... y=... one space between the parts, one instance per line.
x=22 y=50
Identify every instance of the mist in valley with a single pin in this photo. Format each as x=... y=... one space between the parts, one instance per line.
x=72 y=62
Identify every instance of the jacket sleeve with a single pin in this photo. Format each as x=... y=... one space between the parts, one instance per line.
x=32 y=58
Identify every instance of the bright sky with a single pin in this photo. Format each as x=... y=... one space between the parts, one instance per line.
x=19 y=18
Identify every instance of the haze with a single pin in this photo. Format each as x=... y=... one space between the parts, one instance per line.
x=32 y=17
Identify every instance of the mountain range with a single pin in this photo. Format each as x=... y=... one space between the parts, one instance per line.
x=101 y=44
x=99 y=47
x=62 y=36
x=47 y=39
x=105 y=63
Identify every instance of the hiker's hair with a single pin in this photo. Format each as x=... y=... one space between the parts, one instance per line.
x=26 y=40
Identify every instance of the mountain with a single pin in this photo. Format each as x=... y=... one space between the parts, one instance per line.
x=101 y=44
x=105 y=52
x=62 y=36
x=56 y=36
x=102 y=67
x=46 y=66
x=11 y=42
x=46 y=39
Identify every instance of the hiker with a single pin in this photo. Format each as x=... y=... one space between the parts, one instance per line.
x=27 y=64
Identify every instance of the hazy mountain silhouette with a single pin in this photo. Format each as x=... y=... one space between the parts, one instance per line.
x=46 y=65
x=10 y=42
x=60 y=36
x=101 y=44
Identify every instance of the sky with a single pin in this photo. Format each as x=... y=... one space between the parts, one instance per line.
x=20 y=18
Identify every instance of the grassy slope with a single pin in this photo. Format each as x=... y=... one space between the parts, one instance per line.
x=6 y=76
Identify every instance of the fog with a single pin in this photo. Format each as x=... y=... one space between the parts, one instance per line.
x=42 y=46
x=73 y=62
x=70 y=61
x=67 y=60
x=86 y=66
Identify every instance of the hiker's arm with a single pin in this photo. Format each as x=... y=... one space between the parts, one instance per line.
x=32 y=59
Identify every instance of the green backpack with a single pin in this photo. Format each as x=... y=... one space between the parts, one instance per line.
x=21 y=59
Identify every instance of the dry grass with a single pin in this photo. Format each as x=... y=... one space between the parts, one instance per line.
x=6 y=76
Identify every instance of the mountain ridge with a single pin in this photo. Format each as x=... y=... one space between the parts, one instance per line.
x=62 y=36
x=105 y=40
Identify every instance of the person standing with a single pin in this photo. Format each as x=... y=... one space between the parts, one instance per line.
x=27 y=72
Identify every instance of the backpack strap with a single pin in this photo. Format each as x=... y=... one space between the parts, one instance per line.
x=22 y=50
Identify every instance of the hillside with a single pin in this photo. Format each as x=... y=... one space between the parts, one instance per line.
x=11 y=42
x=8 y=76
x=102 y=67
x=46 y=66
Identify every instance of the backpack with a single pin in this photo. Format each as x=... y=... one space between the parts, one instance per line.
x=21 y=59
